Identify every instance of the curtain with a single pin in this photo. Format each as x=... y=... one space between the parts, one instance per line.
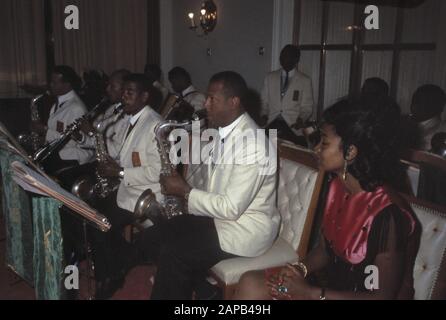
x=48 y=250
x=112 y=34
x=22 y=37
x=154 y=42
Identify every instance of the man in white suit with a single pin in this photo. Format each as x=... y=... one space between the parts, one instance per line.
x=111 y=122
x=68 y=108
x=138 y=168
x=235 y=214
x=287 y=97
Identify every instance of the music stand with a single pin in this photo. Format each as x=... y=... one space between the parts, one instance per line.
x=34 y=182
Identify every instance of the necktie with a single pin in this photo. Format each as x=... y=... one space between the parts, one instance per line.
x=131 y=126
x=284 y=85
x=57 y=106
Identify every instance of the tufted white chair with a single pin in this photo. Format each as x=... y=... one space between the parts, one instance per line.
x=430 y=264
x=299 y=186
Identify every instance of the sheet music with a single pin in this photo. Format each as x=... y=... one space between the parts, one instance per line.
x=34 y=182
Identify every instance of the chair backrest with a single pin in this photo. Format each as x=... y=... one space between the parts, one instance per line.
x=418 y=156
x=427 y=175
x=300 y=182
x=430 y=264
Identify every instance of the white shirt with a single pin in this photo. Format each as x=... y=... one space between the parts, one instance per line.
x=290 y=74
x=135 y=117
x=225 y=131
x=64 y=98
x=194 y=98
x=113 y=125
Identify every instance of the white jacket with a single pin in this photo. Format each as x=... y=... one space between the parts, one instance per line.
x=239 y=198
x=70 y=109
x=297 y=101
x=141 y=161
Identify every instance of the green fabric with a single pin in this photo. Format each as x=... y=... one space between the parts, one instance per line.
x=18 y=220
x=48 y=249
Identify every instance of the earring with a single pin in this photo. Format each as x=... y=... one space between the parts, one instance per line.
x=344 y=173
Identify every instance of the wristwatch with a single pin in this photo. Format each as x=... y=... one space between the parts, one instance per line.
x=121 y=174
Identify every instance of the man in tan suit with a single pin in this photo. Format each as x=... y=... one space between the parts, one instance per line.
x=235 y=214
x=287 y=97
x=138 y=168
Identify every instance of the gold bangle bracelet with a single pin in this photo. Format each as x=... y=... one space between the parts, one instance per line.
x=302 y=267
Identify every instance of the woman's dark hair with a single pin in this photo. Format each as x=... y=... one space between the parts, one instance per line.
x=377 y=137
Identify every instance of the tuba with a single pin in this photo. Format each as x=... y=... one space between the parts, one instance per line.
x=147 y=206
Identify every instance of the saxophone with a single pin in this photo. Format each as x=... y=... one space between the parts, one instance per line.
x=147 y=206
x=104 y=186
x=84 y=187
x=33 y=140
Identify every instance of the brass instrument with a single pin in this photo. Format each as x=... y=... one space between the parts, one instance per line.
x=33 y=140
x=177 y=109
x=172 y=102
x=44 y=152
x=84 y=187
x=147 y=205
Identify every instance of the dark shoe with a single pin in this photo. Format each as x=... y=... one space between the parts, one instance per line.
x=107 y=288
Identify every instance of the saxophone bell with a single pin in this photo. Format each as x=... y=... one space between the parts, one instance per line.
x=147 y=206
x=33 y=141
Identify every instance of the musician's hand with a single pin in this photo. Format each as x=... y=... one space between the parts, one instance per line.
x=85 y=126
x=38 y=127
x=109 y=168
x=174 y=185
x=76 y=135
